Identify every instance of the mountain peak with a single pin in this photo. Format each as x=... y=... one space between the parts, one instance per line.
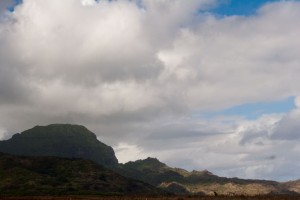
x=202 y=173
x=59 y=130
x=152 y=160
x=148 y=163
x=62 y=140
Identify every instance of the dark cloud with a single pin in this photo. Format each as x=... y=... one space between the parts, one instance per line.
x=272 y=157
x=288 y=128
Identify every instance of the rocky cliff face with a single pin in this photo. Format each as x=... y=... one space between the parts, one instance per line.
x=62 y=140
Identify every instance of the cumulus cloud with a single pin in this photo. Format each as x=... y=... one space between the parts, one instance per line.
x=129 y=152
x=135 y=72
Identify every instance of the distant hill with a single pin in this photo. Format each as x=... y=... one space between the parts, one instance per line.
x=180 y=181
x=150 y=170
x=293 y=186
x=62 y=140
x=22 y=175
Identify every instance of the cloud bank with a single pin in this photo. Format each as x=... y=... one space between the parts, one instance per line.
x=136 y=72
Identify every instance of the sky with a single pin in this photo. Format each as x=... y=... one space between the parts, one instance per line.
x=198 y=84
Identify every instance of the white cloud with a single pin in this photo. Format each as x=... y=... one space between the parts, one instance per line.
x=88 y=2
x=126 y=152
x=297 y=102
x=135 y=74
x=2 y=134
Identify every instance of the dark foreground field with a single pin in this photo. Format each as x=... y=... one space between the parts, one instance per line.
x=275 y=197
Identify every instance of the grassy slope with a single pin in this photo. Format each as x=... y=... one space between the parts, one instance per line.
x=293 y=185
x=21 y=175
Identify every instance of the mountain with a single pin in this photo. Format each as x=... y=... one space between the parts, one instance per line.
x=180 y=181
x=22 y=175
x=74 y=141
x=62 y=140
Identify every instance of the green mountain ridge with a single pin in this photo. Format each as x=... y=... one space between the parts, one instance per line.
x=21 y=175
x=62 y=140
x=75 y=141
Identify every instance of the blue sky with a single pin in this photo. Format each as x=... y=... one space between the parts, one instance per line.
x=252 y=111
x=239 y=7
x=14 y=3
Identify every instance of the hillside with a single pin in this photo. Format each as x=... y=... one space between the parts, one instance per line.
x=152 y=171
x=62 y=140
x=293 y=186
x=181 y=181
x=22 y=175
